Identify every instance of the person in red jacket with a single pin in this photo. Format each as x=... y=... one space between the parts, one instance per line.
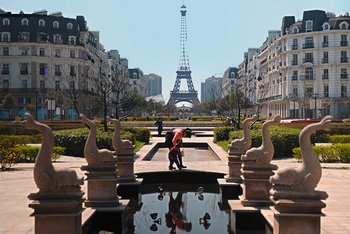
x=178 y=135
x=174 y=155
x=174 y=218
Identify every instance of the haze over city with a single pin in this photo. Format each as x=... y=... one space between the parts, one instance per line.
x=147 y=32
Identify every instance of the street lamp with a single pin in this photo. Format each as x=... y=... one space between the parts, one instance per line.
x=36 y=104
x=315 y=96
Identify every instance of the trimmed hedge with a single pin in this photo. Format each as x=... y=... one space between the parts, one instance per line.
x=331 y=153
x=222 y=133
x=28 y=154
x=283 y=138
x=73 y=140
x=23 y=139
x=7 y=153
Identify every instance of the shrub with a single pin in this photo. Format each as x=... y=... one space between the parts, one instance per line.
x=331 y=153
x=339 y=139
x=28 y=154
x=22 y=139
x=141 y=134
x=7 y=153
x=222 y=133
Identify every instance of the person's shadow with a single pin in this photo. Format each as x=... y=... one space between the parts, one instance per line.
x=174 y=217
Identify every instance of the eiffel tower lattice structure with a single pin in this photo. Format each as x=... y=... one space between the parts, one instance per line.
x=184 y=71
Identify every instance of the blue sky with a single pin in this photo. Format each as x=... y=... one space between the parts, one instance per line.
x=147 y=31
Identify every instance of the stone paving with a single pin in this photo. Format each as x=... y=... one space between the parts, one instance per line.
x=17 y=184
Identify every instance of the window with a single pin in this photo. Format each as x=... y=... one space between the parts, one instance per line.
x=343 y=40
x=72 y=53
x=325 y=41
x=24 y=84
x=41 y=23
x=56 y=24
x=295 y=59
x=308 y=26
x=6 y=37
x=24 y=22
x=57 y=70
x=71 y=41
x=325 y=74
x=6 y=84
x=5 y=51
x=325 y=57
x=42 y=51
x=24 y=51
x=20 y=100
x=309 y=43
x=71 y=85
x=28 y=100
x=343 y=73
x=308 y=58
x=42 y=84
x=134 y=75
x=295 y=75
x=343 y=25
x=57 y=39
x=57 y=84
x=295 y=44
x=70 y=26
x=343 y=57
x=309 y=73
x=326 y=91
x=295 y=91
x=42 y=67
x=5 y=69
x=57 y=53
x=24 y=36
x=343 y=91
x=24 y=68
x=295 y=30
x=72 y=71
x=326 y=26
x=309 y=91
x=6 y=22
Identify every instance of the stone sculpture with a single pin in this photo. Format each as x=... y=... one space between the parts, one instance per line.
x=240 y=146
x=263 y=154
x=120 y=146
x=46 y=176
x=92 y=154
x=308 y=174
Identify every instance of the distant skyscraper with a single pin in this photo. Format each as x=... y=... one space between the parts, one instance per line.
x=153 y=84
x=211 y=88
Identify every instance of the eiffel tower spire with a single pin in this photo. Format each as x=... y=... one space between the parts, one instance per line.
x=184 y=71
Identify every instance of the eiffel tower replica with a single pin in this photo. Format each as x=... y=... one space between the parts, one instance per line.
x=184 y=71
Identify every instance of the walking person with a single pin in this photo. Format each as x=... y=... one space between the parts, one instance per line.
x=159 y=124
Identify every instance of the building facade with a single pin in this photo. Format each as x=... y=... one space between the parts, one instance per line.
x=153 y=84
x=40 y=52
x=211 y=89
x=303 y=70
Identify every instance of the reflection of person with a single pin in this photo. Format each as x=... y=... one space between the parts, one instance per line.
x=178 y=135
x=174 y=217
x=174 y=155
x=159 y=124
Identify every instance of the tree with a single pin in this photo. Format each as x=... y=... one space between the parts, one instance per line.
x=131 y=102
x=8 y=104
x=121 y=85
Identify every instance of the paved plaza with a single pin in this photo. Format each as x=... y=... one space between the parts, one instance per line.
x=17 y=184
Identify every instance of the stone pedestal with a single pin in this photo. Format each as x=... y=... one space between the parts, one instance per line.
x=234 y=168
x=126 y=168
x=256 y=185
x=228 y=190
x=293 y=210
x=57 y=213
x=101 y=186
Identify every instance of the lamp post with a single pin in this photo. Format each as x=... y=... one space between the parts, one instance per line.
x=315 y=96
x=36 y=104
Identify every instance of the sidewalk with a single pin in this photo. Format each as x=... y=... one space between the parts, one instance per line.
x=16 y=185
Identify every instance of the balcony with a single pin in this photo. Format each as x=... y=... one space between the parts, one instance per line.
x=324 y=60
x=294 y=62
x=58 y=74
x=294 y=47
x=325 y=76
x=5 y=72
x=24 y=73
x=73 y=74
x=344 y=60
x=343 y=76
x=309 y=77
x=294 y=77
x=343 y=43
x=308 y=45
x=308 y=60
x=325 y=44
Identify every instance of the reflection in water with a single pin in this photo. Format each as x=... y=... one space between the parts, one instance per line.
x=184 y=212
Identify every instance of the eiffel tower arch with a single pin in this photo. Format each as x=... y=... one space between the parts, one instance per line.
x=184 y=72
